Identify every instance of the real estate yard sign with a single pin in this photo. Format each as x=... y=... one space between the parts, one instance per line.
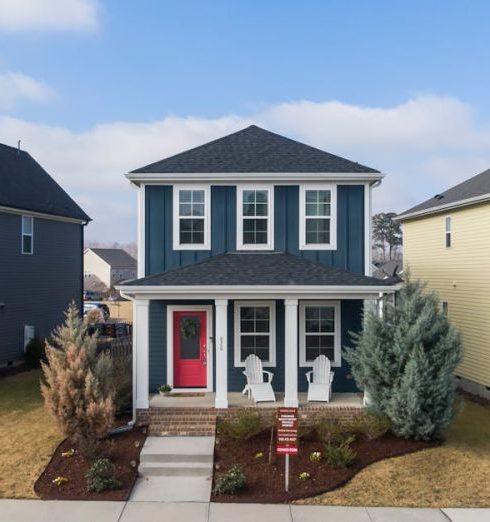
x=287 y=436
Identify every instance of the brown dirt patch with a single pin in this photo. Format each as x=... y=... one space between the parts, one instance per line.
x=265 y=483
x=121 y=449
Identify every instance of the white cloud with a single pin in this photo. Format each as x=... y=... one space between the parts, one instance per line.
x=424 y=145
x=15 y=87
x=27 y=15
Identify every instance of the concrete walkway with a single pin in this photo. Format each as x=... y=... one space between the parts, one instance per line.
x=75 y=511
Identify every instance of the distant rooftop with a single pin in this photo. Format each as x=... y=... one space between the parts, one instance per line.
x=115 y=257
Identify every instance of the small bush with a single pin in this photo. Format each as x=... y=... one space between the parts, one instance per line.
x=231 y=482
x=101 y=477
x=243 y=427
x=372 y=425
x=340 y=455
x=306 y=432
x=35 y=353
x=333 y=432
x=123 y=383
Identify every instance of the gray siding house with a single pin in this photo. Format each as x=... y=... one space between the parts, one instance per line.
x=41 y=252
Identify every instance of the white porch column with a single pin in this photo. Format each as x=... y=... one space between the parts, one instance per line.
x=221 y=351
x=291 y=353
x=141 y=348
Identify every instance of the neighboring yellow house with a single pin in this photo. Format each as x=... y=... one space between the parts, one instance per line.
x=446 y=242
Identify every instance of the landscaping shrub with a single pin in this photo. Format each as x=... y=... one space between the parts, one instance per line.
x=101 y=476
x=332 y=431
x=123 y=383
x=405 y=362
x=231 y=482
x=340 y=455
x=243 y=427
x=78 y=388
x=371 y=425
x=35 y=352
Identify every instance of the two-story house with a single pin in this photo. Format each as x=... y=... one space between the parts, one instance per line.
x=250 y=244
x=446 y=244
x=41 y=245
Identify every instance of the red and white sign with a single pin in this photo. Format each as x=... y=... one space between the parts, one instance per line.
x=287 y=431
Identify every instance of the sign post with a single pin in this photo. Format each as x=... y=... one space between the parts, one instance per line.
x=287 y=437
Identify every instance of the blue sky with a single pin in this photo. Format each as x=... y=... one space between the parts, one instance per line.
x=401 y=86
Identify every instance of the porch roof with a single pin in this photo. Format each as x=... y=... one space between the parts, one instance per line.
x=258 y=271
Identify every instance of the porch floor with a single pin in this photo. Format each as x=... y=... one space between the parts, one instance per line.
x=238 y=400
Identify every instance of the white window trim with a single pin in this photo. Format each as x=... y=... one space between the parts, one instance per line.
x=207 y=218
x=337 y=362
x=240 y=217
x=333 y=217
x=31 y=234
x=448 y=232
x=272 y=350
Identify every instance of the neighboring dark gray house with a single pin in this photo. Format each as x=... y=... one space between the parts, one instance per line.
x=41 y=252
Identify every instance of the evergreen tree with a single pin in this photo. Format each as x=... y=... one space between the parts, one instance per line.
x=78 y=388
x=405 y=362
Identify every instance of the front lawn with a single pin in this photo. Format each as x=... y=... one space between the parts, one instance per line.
x=28 y=435
x=452 y=475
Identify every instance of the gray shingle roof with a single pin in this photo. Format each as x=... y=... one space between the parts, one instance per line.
x=116 y=257
x=254 y=150
x=476 y=186
x=256 y=268
x=26 y=185
x=389 y=269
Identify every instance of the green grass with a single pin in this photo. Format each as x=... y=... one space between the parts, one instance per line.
x=28 y=435
x=454 y=474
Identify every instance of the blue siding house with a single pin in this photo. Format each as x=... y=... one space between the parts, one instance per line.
x=41 y=249
x=250 y=244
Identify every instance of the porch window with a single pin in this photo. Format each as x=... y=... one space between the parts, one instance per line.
x=319 y=331
x=27 y=234
x=255 y=331
x=191 y=218
x=254 y=218
x=318 y=217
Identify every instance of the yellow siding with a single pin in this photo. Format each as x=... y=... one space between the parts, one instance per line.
x=460 y=275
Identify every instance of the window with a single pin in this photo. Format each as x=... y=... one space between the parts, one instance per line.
x=318 y=223
x=319 y=330
x=448 y=231
x=445 y=308
x=191 y=227
x=255 y=327
x=255 y=218
x=27 y=234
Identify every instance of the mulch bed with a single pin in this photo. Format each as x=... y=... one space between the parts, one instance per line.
x=122 y=449
x=265 y=483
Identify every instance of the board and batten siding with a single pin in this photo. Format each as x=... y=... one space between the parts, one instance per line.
x=161 y=257
x=459 y=275
x=36 y=289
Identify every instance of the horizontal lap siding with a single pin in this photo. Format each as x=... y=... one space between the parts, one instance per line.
x=459 y=275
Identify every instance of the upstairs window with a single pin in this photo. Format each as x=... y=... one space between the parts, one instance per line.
x=448 y=231
x=318 y=211
x=445 y=308
x=27 y=234
x=191 y=218
x=255 y=218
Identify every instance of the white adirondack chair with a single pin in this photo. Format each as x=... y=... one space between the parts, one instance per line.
x=257 y=389
x=320 y=386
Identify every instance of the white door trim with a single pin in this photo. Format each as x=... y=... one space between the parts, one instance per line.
x=170 y=343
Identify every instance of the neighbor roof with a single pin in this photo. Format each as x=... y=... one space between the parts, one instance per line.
x=256 y=269
x=115 y=257
x=25 y=185
x=474 y=187
x=254 y=150
x=389 y=269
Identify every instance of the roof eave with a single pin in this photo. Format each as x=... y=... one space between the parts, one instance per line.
x=443 y=208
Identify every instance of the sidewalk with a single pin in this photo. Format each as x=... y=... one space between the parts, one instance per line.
x=61 y=511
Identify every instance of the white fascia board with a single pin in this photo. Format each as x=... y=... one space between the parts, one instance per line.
x=41 y=215
x=442 y=208
x=233 y=177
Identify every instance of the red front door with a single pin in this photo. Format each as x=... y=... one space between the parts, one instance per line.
x=190 y=350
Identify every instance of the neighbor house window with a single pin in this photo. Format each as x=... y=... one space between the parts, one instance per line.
x=27 y=234
x=255 y=327
x=445 y=308
x=255 y=218
x=191 y=213
x=448 y=231
x=319 y=330
x=318 y=223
